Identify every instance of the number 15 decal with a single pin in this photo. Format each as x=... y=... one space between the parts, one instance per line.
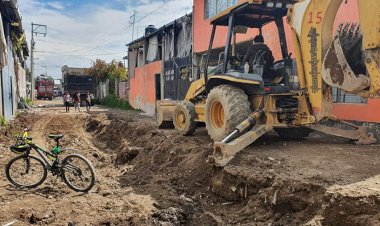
x=315 y=17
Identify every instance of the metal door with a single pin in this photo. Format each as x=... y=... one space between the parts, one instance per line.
x=7 y=86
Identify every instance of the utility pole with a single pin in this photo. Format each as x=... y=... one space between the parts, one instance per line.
x=132 y=22
x=36 y=29
x=125 y=58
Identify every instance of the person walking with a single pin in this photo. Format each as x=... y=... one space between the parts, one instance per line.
x=77 y=101
x=88 y=101
x=67 y=100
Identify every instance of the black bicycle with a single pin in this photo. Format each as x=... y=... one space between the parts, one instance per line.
x=28 y=171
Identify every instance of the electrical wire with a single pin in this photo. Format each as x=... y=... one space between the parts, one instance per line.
x=112 y=36
x=100 y=54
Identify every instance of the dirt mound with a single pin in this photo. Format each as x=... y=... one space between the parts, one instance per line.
x=266 y=197
x=151 y=150
x=165 y=164
x=16 y=127
x=354 y=204
x=173 y=169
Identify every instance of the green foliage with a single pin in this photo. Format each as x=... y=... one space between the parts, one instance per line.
x=103 y=70
x=3 y=121
x=113 y=102
x=28 y=101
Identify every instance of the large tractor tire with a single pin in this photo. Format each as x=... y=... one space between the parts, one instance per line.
x=184 y=118
x=293 y=133
x=226 y=107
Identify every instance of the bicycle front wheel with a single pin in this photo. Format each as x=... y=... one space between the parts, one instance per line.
x=78 y=173
x=26 y=171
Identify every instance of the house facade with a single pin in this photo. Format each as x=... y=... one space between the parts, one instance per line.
x=13 y=53
x=159 y=64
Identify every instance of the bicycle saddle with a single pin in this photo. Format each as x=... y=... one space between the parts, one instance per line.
x=56 y=137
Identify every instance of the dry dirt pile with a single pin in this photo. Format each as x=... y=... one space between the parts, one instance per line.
x=167 y=166
x=158 y=177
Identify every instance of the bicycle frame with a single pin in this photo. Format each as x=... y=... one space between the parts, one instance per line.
x=41 y=152
x=44 y=155
x=51 y=162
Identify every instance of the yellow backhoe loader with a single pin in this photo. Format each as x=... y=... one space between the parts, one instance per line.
x=294 y=97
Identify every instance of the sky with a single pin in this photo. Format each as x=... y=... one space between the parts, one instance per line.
x=80 y=31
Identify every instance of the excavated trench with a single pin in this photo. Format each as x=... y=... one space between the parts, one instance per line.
x=158 y=177
x=175 y=166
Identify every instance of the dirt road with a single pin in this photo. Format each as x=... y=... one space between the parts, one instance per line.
x=147 y=176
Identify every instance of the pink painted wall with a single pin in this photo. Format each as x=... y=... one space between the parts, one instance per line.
x=142 y=93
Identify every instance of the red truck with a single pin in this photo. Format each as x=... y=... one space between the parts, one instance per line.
x=45 y=88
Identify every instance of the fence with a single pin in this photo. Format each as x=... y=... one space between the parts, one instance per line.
x=112 y=86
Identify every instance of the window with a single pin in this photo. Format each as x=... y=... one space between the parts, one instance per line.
x=339 y=96
x=213 y=7
x=169 y=75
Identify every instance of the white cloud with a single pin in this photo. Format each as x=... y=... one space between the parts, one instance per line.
x=56 y=5
x=77 y=35
x=144 y=2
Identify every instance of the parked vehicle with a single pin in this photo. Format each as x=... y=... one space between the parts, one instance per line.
x=79 y=83
x=238 y=103
x=57 y=92
x=45 y=88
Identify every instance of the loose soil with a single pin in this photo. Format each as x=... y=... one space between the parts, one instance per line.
x=147 y=176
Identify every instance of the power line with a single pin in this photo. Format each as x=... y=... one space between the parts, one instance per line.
x=145 y=16
x=100 y=54
x=112 y=36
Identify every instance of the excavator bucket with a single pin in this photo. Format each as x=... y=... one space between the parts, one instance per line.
x=164 y=113
x=343 y=65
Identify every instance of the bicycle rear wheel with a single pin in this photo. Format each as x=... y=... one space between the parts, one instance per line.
x=26 y=171
x=78 y=173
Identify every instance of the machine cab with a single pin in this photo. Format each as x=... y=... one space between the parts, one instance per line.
x=261 y=73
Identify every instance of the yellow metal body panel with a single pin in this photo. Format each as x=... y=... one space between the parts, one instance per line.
x=312 y=23
x=374 y=73
x=369 y=11
x=299 y=60
x=200 y=110
x=195 y=88
x=232 y=79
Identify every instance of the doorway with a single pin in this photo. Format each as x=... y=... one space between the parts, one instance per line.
x=158 y=86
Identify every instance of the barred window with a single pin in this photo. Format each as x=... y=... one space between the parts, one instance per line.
x=339 y=96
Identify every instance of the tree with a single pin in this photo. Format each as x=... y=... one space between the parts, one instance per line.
x=102 y=70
